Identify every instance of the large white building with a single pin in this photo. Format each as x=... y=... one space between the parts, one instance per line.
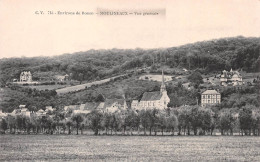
x=150 y=100
x=231 y=78
x=210 y=97
x=26 y=76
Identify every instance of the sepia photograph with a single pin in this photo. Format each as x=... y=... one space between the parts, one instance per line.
x=130 y=80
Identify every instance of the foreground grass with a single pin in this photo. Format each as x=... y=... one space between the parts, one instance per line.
x=130 y=148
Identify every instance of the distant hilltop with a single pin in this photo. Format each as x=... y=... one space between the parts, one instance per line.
x=207 y=56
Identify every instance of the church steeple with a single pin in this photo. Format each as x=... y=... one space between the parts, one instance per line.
x=163 y=88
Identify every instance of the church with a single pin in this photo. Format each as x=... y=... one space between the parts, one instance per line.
x=150 y=100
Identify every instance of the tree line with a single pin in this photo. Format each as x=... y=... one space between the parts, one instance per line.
x=185 y=120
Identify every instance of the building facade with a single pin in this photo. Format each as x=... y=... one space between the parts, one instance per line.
x=233 y=78
x=150 y=100
x=115 y=105
x=26 y=76
x=210 y=97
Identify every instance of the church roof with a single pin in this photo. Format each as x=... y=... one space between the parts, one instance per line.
x=151 y=96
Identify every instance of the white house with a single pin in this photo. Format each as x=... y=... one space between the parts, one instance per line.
x=26 y=76
x=115 y=105
x=231 y=78
x=210 y=97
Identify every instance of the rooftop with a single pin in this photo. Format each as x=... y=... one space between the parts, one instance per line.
x=151 y=96
x=210 y=92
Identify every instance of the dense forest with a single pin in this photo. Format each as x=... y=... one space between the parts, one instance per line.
x=207 y=56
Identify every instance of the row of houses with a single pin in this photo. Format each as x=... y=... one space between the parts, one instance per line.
x=23 y=110
x=149 y=100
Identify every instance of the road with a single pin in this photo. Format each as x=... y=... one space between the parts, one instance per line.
x=83 y=86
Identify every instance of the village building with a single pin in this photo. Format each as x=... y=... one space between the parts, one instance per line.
x=150 y=100
x=41 y=113
x=71 y=108
x=22 y=110
x=2 y=115
x=231 y=78
x=62 y=78
x=210 y=97
x=115 y=105
x=134 y=104
x=49 y=109
x=100 y=107
x=109 y=106
x=86 y=108
x=26 y=76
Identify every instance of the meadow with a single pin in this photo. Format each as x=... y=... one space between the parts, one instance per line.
x=129 y=148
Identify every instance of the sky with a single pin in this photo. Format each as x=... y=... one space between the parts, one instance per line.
x=26 y=34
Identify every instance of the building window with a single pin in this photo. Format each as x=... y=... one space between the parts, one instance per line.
x=208 y=96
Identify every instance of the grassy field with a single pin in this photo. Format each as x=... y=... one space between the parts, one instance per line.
x=128 y=148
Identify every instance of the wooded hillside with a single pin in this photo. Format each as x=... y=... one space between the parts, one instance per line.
x=208 y=56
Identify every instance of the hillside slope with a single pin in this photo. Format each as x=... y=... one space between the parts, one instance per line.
x=208 y=56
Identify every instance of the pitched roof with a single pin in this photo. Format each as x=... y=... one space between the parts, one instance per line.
x=72 y=107
x=135 y=102
x=24 y=109
x=151 y=96
x=110 y=102
x=101 y=105
x=90 y=105
x=210 y=92
x=40 y=111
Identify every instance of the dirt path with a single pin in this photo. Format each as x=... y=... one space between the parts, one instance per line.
x=83 y=86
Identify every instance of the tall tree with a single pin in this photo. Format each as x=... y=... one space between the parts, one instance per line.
x=4 y=125
x=77 y=118
x=96 y=121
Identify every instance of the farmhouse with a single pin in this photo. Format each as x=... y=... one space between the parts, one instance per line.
x=2 y=115
x=71 y=108
x=22 y=110
x=26 y=76
x=210 y=97
x=157 y=99
x=113 y=105
x=41 y=113
x=134 y=104
x=62 y=78
x=110 y=106
x=86 y=108
x=231 y=78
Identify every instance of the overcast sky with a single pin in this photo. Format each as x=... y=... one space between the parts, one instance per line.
x=24 y=33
